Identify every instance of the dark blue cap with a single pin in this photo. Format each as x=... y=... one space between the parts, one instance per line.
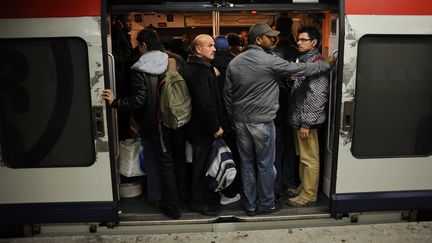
x=221 y=42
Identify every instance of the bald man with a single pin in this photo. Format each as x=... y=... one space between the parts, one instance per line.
x=204 y=126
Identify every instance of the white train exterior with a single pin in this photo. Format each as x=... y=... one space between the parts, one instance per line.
x=59 y=151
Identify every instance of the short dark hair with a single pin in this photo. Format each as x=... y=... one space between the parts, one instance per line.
x=151 y=38
x=313 y=33
x=284 y=25
x=234 y=39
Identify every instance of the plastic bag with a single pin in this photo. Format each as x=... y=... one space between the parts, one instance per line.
x=130 y=150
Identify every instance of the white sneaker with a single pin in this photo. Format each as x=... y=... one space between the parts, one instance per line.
x=228 y=200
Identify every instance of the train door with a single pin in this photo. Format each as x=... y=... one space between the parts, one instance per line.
x=385 y=143
x=171 y=21
x=55 y=160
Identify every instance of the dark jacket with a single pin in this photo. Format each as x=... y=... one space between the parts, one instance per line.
x=201 y=79
x=122 y=51
x=146 y=73
x=221 y=61
x=285 y=49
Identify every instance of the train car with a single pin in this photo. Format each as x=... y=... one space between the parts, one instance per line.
x=59 y=139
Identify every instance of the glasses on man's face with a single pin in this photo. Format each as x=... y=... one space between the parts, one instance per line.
x=303 y=39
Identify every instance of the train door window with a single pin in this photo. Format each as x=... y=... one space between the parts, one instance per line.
x=45 y=103
x=393 y=102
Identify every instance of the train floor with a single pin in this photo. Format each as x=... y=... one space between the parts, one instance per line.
x=138 y=209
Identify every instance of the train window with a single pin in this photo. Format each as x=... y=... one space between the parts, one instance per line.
x=393 y=101
x=45 y=103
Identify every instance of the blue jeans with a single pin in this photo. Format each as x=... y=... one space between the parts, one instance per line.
x=256 y=144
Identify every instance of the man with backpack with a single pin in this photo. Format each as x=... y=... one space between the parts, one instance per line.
x=204 y=126
x=168 y=144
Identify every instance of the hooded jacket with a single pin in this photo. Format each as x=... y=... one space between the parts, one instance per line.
x=145 y=76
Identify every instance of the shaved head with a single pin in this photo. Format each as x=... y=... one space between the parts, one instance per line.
x=203 y=46
x=199 y=41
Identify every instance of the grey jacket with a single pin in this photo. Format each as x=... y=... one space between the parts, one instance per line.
x=251 y=91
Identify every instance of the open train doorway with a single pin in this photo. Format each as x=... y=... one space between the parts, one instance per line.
x=176 y=29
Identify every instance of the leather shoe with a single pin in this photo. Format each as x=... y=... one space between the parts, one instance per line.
x=207 y=211
x=250 y=213
x=170 y=211
x=268 y=211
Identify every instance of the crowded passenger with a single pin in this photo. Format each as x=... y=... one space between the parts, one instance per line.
x=122 y=52
x=251 y=96
x=238 y=94
x=179 y=46
x=221 y=60
x=308 y=99
x=205 y=124
x=286 y=159
x=235 y=43
x=145 y=77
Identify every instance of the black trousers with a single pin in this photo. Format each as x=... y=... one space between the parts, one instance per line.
x=174 y=180
x=286 y=163
x=201 y=195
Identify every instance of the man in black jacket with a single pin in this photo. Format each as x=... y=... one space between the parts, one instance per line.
x=145 y=76
x=204 y=125
x=286 y=160
x=122 y=51
x=221 y=60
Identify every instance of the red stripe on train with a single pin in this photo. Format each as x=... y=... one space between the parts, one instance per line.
x=49 y=8
x=389 y=7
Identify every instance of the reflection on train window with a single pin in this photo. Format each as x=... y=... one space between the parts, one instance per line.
x=393 y=102
x=45 y=104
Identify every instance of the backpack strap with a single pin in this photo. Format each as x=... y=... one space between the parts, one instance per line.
x=172 y=64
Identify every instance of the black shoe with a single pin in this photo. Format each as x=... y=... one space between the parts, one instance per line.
x=207 y=211
x=172 y=212
x=250 y=213
x=277 y=198
x=268 y=211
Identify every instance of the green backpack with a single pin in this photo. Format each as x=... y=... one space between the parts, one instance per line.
x=175 y=104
